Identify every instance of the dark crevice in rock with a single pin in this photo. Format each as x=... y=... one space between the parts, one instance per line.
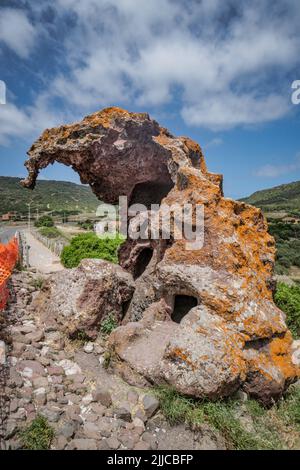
x=182 y=305
x=260 y=343
x=125 y=307
x=151 y=192
x=142 y=262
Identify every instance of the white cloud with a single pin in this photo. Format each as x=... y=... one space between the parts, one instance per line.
x=221 y=64
x=29 y=121
x=13 y=122
x=124 y=52
x=16 y=31
x=274 y=171
x=227 y=110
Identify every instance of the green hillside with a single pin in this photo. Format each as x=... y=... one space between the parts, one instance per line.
x=285 y=197
x=281 y=205
x=56 y=196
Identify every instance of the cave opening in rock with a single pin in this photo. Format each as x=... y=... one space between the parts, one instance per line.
x=150 y=192
x=182 y=305
x=142 y=262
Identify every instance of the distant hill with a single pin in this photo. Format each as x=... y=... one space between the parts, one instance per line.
x=285 y=197
x=279 y=204
x=57 y=196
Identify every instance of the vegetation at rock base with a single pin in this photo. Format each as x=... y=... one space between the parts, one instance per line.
x=38 y=435
x=89 y=245
x=267 y=428
x=38 y=283
x=61 y=197
x=287 y=298
x=107 y=356
x=80 y=336
x=109 y=324
x=44 y=221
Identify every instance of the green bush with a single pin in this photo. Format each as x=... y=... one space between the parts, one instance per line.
x=86 y=225
x=287 y=298
x=44 y=221
x=50 y=232
x=38 y=435
x=89 y=245
x=287 y=238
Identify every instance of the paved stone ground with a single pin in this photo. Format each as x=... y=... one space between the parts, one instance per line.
x=88 y=407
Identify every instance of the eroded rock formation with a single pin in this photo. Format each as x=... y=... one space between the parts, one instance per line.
x=202 y=320
x=78 y=300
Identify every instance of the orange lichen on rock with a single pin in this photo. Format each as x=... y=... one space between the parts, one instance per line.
x=280 y=351
x=178 y=353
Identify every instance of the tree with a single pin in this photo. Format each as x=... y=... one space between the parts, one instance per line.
x=44 y=221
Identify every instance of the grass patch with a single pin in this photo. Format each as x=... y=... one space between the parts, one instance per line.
x=289 y=408
x=37 y=283
x=222 y=416
x=80 y=336
x=38 y=435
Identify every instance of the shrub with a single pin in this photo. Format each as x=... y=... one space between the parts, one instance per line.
x=89 y=245
x=86 y=225
x=287 y=298
x=50 y=232
x=107 y=356
x=44 y=221
x=38 y=435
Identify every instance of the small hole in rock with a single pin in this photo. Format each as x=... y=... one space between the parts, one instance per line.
x=182 y=305
x=142 y=262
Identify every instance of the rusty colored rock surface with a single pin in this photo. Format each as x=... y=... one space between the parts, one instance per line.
x=220 y=329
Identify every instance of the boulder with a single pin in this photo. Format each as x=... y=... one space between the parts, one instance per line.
x=76 y=301
x=201 y=318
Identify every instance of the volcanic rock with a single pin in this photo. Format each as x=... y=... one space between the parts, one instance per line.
x=77 y=300
x=202 y=319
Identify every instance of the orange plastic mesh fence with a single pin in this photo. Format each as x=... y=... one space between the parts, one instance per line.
x=9 y=254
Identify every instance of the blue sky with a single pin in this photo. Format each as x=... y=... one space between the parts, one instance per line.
x=215 y=70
